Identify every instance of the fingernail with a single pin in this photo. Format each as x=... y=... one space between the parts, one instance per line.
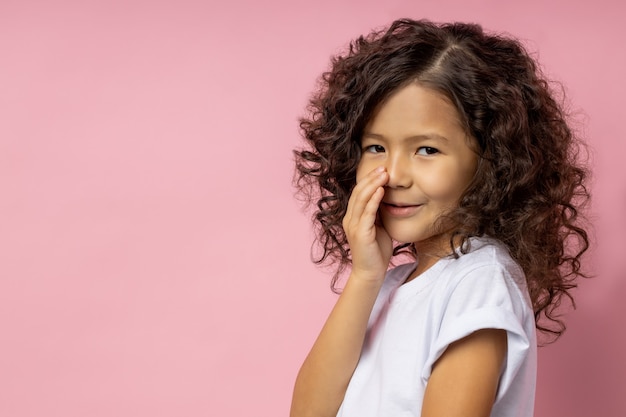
x=380 y=169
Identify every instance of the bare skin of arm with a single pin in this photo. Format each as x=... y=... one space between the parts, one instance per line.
x=464 y=381
x=324 y=376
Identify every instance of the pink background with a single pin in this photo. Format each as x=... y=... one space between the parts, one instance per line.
x=153 y=260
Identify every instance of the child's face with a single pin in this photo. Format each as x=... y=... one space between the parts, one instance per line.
x=417 y=136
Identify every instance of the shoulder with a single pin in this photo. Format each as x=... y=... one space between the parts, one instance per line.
x=487 y=263
x=484 y=281
x=487 y=252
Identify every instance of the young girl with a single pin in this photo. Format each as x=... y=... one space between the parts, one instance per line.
x=443 y=143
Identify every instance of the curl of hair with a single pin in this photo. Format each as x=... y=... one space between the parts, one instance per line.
x=529 y=187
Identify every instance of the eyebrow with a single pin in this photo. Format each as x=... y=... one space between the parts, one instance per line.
x=414 y=137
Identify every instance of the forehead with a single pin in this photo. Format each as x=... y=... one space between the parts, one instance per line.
x=418 y=110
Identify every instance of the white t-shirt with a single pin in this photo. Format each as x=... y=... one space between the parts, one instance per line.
x=411 y=326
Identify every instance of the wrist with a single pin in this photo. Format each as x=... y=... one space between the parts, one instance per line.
x=366 y=279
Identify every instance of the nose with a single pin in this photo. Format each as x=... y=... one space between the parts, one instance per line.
x=398 y=168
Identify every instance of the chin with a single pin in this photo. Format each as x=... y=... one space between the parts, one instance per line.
x=439 y=243
x=404 y=237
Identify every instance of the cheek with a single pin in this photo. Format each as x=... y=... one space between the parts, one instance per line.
x=446 y=186
x=362 y=170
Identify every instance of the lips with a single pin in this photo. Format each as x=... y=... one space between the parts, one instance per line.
x=400 y=209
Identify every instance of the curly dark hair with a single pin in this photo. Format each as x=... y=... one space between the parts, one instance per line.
x=529 y=187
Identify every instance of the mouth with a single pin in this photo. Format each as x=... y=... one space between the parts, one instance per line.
x=397 y=209
x=401 y=205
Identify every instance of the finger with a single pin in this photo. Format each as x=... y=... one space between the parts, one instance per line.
x=362 y=221
x=358 y=203
x=370 y=212
x=363 y=191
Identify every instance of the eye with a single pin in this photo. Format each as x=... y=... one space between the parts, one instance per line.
x=427 y=150
x=374 y=149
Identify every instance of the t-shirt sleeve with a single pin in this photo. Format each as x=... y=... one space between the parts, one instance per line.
x=485 y=298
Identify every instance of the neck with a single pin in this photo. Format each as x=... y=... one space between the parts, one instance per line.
x=424 y=262
x=429 y=252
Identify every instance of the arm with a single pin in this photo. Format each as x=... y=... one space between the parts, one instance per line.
x=324 y=375
x=323 y=379
x=464 y=380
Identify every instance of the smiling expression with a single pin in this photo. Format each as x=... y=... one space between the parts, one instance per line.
x=417 y=136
